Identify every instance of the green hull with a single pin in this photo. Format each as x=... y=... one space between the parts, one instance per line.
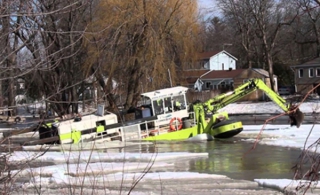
x=221 y=130
x=175 y=135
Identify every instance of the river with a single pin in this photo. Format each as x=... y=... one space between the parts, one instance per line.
x=233 y=158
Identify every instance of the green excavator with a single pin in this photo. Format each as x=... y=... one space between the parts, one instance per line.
x=167 y=119
x=207 y=119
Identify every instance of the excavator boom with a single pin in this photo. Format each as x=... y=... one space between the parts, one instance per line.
x=220 y=101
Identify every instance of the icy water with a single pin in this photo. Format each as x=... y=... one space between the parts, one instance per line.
x=230 y=157
x=233 y=158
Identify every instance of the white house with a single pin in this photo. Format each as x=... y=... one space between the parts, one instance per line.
x=220 y=60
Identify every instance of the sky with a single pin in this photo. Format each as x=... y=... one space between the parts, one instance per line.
x=205 y=3
x=277 y=135
x=206 y=6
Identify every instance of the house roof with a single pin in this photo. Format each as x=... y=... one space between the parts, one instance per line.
x=262 y=72
x=192 y=75
x=194 y=72
x=314 y=62
x=209 y=54
x=219 y=74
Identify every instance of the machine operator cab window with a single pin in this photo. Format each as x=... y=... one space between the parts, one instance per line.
x=158 y=106
x=167 y=103
x=178 y=103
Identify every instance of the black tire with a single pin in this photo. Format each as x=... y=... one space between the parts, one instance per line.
x=17 y=119
x=227 y=134
x=222 y=123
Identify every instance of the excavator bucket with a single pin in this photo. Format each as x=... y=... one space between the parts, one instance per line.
x=296 y=117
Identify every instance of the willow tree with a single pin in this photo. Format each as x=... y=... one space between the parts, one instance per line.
x=136 y=43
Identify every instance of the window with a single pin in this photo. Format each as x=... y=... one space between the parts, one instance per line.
x=300 y=73
x=167 y=105
x=318 y=72
x=158 y=106
x=311 y=72
x=178 y=102
x=208 y=85
x=223 y=85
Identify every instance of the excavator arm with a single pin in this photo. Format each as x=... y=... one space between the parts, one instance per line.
x=220 y=101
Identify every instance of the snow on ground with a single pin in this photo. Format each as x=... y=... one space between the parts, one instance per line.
x=268 y=107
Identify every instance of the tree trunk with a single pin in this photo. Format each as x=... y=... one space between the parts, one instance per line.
x=269 y=59
x=133 y=91
x=9 y=56
x=270 y=64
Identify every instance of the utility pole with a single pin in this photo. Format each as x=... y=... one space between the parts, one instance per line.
x=170 y=77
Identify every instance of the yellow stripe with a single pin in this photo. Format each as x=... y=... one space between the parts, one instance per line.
x=74 y=135
x=100 y=128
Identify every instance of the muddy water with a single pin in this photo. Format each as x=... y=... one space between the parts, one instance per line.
x=234 y=159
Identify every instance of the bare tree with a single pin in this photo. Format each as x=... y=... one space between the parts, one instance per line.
x=53 y=33
x=9 y=45
x=307 y=28
x=317 y=1
x=259 y=22
x=238 y=15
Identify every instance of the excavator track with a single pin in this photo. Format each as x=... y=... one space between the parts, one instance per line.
x=226 y=129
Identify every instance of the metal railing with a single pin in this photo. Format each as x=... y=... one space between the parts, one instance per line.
x=145 y=129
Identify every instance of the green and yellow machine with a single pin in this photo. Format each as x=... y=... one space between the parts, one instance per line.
x=163 y=115
x=209 y=121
